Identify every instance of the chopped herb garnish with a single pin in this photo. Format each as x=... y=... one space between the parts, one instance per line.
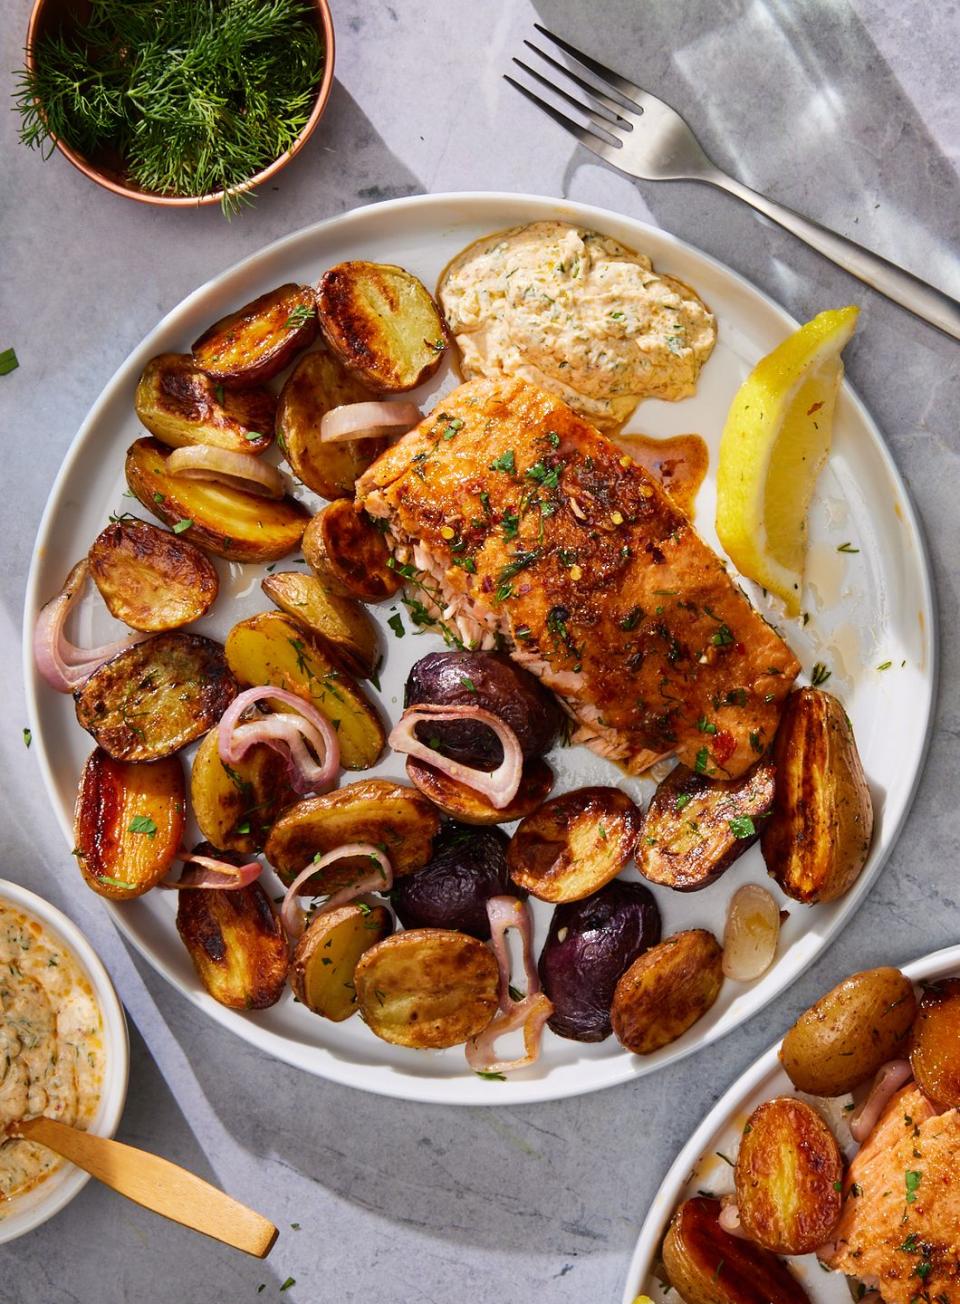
x=632 y=619
x=722 y=637
x=506 y=462
x=143 y=824
x=755 y=742
x=706 y=726
x=700 y=764
x=301 y=314
x=465 y=563
x=27 y=737
x=182 y=525
x=520 y=561
x=547 y=476
x=488 y=1076
x=291 y=1281
x=884 y=665
x=912 y=1183
x=244 y=828
x=468 y=683
x=742 y=826
x=116 y=882
x=396 y=624
x=510 y=525
x=8 y=361
x=819 y=675
x=847 y=547
x=683 y=799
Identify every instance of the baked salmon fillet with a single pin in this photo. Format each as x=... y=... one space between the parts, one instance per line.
x=900 y=1227
x=518 y=525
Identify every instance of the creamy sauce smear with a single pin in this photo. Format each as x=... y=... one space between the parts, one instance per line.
x=51 y=1045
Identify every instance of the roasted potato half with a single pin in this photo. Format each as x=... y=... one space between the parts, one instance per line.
x=706 y=1265
x=235 y=805
x=128 y=823
x=382 y=324
x=224 y=521
x=936 y=1043
x=235 y=941
x=341 y=625
x=318 y=383
x=149 y=578
x=817 y=839
x=347 y=551
x=378 y=811
x=851 y=1032
x=326 y=957
x=155 y=697
x=695 y=827
x=271 y=648
x=427 y=988
x=180 y=404
x=574 y=844
x=470 y=807
x=667 y=990
x=260 y=339
x=788 y=1177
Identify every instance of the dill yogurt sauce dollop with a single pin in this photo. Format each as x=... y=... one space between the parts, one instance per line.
x=51 y=1045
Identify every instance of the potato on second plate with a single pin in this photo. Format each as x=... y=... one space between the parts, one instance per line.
x=574 y=844
x=345 y=549
x=667 y=990
x=850 y=1032
x=789 y=1177
x=382 y=323
x=341 y=624
x=149 y=578
x=428 y=988
x=326 y=958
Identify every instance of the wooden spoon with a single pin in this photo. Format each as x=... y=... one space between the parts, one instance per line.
x=156 y=1184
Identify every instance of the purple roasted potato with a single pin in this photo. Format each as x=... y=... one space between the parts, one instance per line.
x=468 y=866
x=496 y=684
x=591 y=943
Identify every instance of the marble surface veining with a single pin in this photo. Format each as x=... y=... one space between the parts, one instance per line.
x=847 y=109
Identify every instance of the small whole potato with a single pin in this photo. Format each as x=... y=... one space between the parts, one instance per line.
x=788 y=1177
x=667 y=990
x=936 y=1043
x=467 y=866
x=848 y=1034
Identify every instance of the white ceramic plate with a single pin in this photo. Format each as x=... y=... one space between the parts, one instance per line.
x=29 y=1210
x=866 y=609
x=699 y=1165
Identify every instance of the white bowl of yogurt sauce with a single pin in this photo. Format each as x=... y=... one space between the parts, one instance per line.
x=63 y=1051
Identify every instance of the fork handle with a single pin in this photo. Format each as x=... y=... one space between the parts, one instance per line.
x=902 y=287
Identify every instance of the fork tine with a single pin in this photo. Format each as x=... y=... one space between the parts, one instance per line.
x=589 y=139
x=604 y=123
x=606 y=100
x=628 y=89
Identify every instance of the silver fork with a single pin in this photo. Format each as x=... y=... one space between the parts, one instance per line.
x=642 y=136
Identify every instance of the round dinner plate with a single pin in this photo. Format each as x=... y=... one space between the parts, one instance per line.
x=867 y=609
x=700 y=1165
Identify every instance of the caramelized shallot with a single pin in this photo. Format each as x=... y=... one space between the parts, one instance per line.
x=506 y=912
x=499 y=786
x=751 y=933
x=63 y=665
x=371 y=420
x=530 y=1013
x=287 y=733
x=888 y=1081
x=378 y=879
x=224 y=466
x=218 y=875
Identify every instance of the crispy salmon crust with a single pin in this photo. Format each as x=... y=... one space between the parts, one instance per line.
x=900 y=1226
x=550 y=537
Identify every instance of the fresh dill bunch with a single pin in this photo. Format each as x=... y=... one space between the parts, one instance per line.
x=185 y=96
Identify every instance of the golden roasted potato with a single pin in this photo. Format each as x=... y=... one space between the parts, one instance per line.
x=666 y=990
x=326 y=957
x=235 y=941
x=382 y=324
x=574 y=844
x=155 y=697
x=180 y=404
x=788 y=1177
x=427 y=988
x=260 y=339
x=471 y=807
x=851 y=1032
x=149 y=578
x=706 y=1265
x=271 y=648
x=341 y=625
x=224 y=521
x=935 y=1056
x=348 y=552
x=235 y=805
x=377 y=811
x=817 y=839
x=128 y=823
x=695 y=827
x=318 y=383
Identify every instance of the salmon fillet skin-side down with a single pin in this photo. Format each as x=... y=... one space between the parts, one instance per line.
x=519 y=525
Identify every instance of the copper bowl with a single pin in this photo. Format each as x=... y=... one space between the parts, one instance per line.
x=49 y=14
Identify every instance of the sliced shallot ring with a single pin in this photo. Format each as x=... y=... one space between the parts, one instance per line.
x=506 y=912
x=729 y=1220
x=371 y=420
x=888 y=1081
x=285 y=733
x=60 y=663
x=379 y=879
x=235 y=470
x=530 y=1014
x=499 y=786
x=216 y=875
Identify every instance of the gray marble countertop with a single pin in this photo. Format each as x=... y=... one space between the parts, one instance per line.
x=849 y=111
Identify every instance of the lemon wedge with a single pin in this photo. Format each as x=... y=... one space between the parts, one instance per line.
x=775 y=441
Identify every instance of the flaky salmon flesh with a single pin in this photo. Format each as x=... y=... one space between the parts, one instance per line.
x=900 y=1227
x=521 y=526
